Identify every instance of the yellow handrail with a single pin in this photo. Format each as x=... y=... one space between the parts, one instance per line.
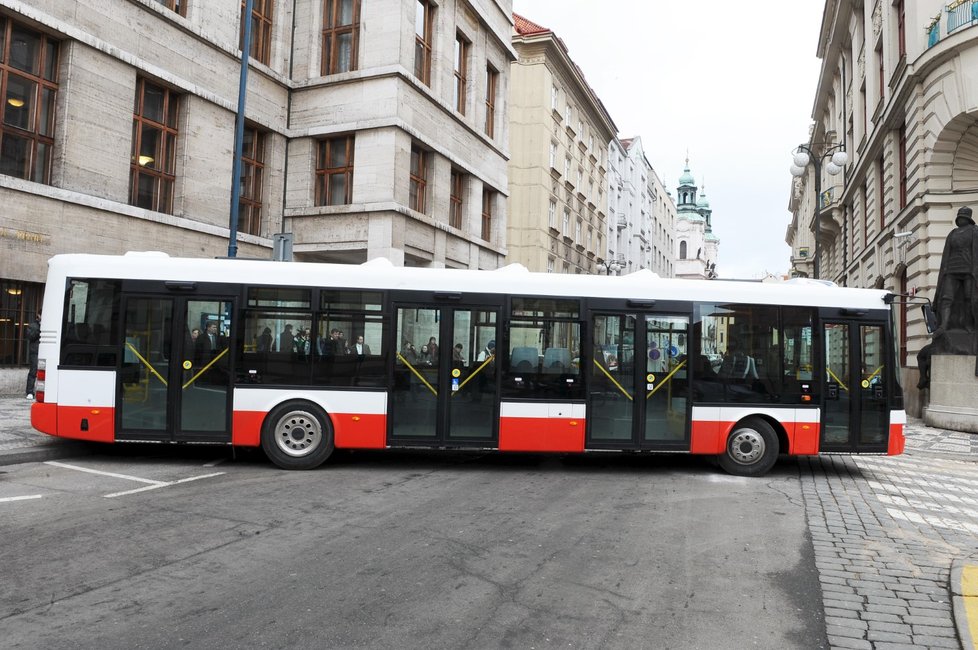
x=834 y=376
x=613 y=380
x=665 y=380
x=417 y=374
x=474 y=373
x=204 y=369
x=145 y=362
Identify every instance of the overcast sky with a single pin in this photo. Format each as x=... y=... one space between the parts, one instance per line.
x=732 y=82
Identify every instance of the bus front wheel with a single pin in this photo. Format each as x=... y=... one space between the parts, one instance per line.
x=297 y=435
x=752 y=448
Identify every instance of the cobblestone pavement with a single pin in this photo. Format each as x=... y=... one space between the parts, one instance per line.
x=886 y=531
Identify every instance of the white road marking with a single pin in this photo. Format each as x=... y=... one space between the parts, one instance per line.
x=153 y=485
x=101 y=473
x=162 y=485
x=23 y=498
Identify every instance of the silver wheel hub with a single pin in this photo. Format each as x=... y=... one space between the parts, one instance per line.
x=746 y=446
x=298 y=433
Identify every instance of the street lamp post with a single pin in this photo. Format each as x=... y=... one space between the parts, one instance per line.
x=805 y=156
x=610 y=266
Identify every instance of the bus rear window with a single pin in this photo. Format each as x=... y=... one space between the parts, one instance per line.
x=90 y=323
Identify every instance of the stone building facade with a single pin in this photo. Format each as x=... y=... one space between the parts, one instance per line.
x=898 y=91
x=558 y=174
x=642 y=214
x=374 y=128
x=697 y=247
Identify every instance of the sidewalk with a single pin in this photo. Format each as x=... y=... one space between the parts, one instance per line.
x=20 y=443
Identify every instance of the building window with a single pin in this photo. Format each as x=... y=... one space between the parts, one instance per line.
x=553 y=214
x=334 y=171
x=252 y=181
x=461 y=70
x=423 y=22
x=455 y=200
x=903 y=166
x=901 y=28
x=553 y=98
x=550 y=265
x=179 y=6
x=882 y=190
x=341 y=35
x=419 y=179
x=553 y=155
x=19 y=301
x=261 y=30
x=577 y=235
x=492 y=77
x=565 y=230
x=488 y=197
x=567 y=115
x=567 y=164
x=154 y=141
x=682 y=250
x=28 y=71
x=879 y=70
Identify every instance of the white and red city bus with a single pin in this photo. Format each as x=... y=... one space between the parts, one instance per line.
x=302 y=358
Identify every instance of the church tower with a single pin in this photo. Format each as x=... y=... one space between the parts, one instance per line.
x=696 y=244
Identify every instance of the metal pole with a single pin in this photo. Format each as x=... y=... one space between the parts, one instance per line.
x=239 y=131
x=817 y=162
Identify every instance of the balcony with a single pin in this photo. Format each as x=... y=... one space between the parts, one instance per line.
x=622 y=222
x=958 y=14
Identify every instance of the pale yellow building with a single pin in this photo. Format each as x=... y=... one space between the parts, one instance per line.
x=559 y=135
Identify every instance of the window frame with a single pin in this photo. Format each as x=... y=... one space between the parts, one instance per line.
x=456 y=199
x=332 y=31
x=417 y=199
x=164 y=177
x=179 y=7
x=250 y=204
x=492 y=80
x=488 y=197
x=262 y=15
x=40 y=134
x=423 y=41
x=460 y=71
x=324 y=172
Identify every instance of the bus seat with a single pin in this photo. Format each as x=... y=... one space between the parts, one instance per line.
x=528 y=354
x=556 y=360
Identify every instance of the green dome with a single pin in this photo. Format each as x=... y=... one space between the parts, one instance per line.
x=701 y=201
x=687 y=178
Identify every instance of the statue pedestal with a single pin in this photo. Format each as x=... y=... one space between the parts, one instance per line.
x=953 y=393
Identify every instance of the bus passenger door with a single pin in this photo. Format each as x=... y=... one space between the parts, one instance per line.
x=856 y=416
x=639 y=382
x=173 y=386
x=445 y=389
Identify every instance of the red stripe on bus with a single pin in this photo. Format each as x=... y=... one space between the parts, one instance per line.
x=359 y=430
x=69 y=420
x=897 y=440
x=705 y=438
x=246 y=428
x=541 y=434
x=44 y=418
x=350 y=430
x=802 y=438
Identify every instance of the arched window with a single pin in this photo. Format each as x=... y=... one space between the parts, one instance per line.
x=682 y=250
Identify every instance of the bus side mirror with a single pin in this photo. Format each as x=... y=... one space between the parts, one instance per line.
x=930 y=318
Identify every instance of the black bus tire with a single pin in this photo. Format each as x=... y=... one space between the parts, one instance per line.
x=297 y=435
x=751 y=450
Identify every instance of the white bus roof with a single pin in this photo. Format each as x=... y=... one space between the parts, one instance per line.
x=512 y=279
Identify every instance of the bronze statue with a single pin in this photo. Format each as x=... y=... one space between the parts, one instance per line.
x=956 y=297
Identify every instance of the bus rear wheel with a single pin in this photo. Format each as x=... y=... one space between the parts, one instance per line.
x=297 y=435
x=752 y=449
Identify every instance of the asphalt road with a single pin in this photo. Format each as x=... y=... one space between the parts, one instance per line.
x=404 y=550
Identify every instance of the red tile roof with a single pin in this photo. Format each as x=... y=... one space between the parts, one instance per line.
x=524 y=26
